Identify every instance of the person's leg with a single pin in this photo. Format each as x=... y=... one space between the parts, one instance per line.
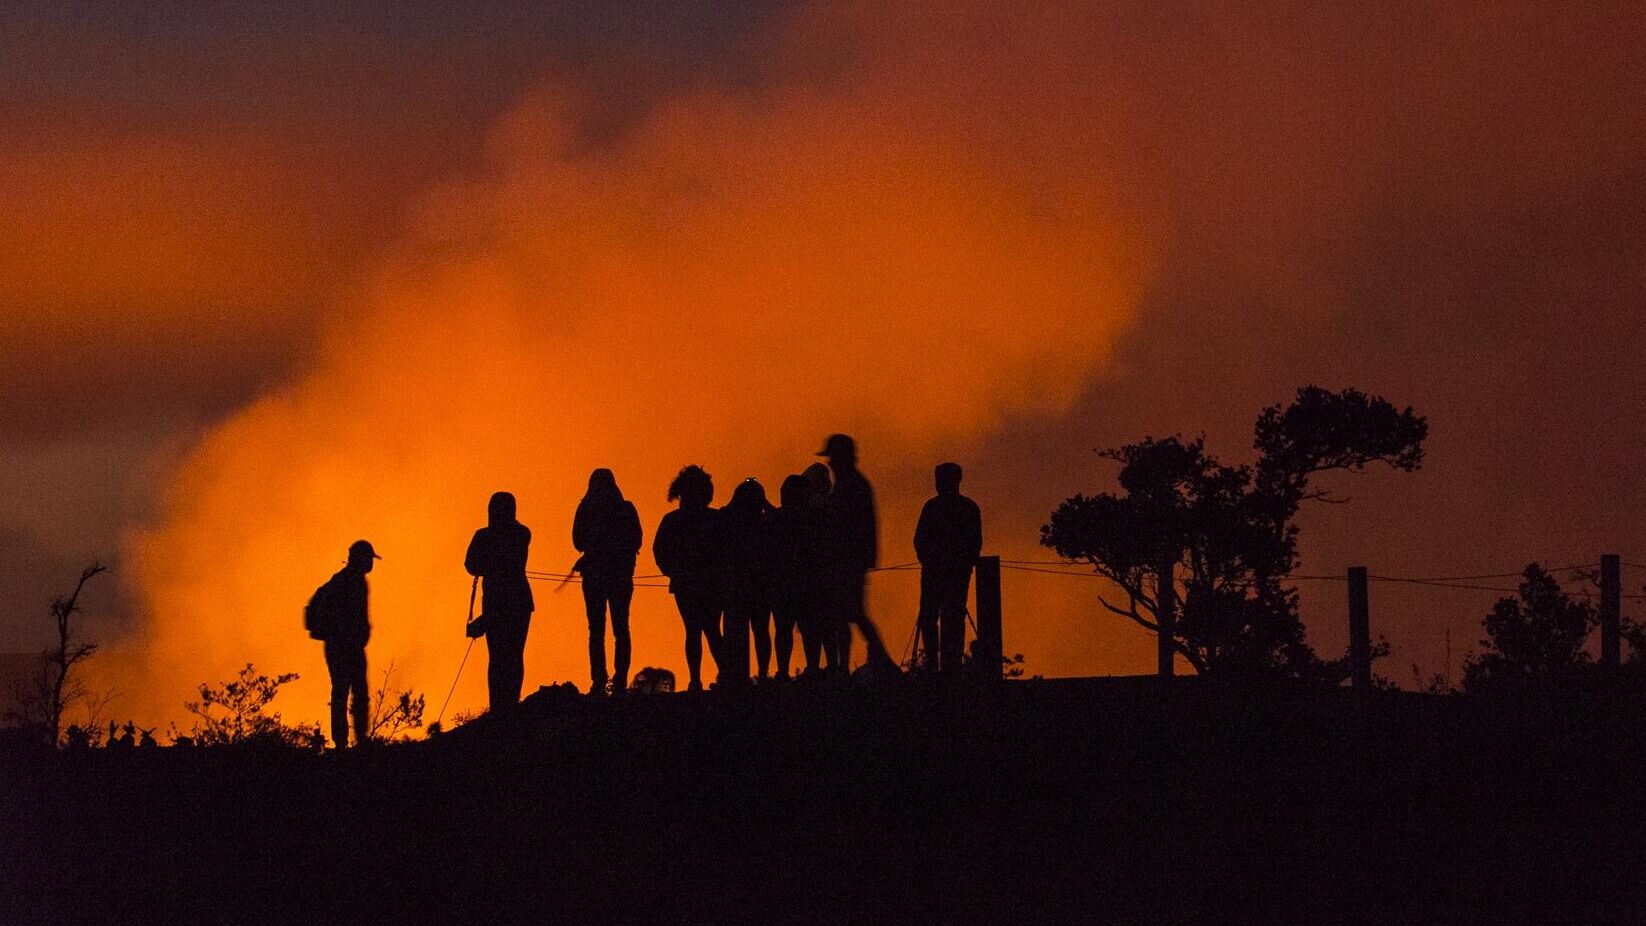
x=620 y=594
x=495 y=672
x=594 y=610
x=760 y=622
x=837 y=632
x=339 y=697
x=954 y=620
x=733 y=661
x=783 y=617
x=926 y=619
x=694 y=645
x=858 y=611
x=360 y=705
x=506 y=667
x=517 y=668
x=710 y=608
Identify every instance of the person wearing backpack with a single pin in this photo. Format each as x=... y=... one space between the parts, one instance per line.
x=336 y=615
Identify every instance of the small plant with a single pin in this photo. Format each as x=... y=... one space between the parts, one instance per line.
x=394 y=712
x=233 y=713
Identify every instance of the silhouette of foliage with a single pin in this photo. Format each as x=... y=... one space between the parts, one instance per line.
x=1227 y=532
x=235 y=712
x=1533 y=640
x=42 y=704
x=394 y=712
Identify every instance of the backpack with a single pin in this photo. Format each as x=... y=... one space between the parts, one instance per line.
x=320 y=614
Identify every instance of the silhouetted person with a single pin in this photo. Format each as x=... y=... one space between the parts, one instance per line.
x=689 y=549
x=746 y=524
x=606 y=531
x=337 y=616
x=830 y=624
x=800 y=534
x=497 y=554
x=947 y=541
x=856 y=538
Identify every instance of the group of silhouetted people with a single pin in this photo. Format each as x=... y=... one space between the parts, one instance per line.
x=746 y=571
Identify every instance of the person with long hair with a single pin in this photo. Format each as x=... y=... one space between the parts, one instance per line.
x=606 y=531
x=497 y=555
x=690 y=550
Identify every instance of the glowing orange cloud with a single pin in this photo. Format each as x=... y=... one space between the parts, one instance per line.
x=736 y=279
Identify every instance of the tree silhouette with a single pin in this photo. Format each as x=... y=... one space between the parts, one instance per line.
x=1227 y=532
x=1533 y=640
x=43 y=704
x=233 y=712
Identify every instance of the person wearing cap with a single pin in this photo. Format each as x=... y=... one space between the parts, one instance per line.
x=856 y=547
x=497 y=556
x=947 y=541
x=338 y=618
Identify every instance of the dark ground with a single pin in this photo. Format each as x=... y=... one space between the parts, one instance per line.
x=1068 y=800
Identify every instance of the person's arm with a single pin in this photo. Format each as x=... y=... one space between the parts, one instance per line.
x=662 y=547
x=923 y=532
x=974 y=531
x=871 y=526
x=362 y=613
x=475 y=561
x=580 y=529
x=633 y=535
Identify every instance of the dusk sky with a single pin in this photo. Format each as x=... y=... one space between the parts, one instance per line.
x=276 y=277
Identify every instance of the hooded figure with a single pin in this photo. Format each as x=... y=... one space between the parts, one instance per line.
x=747 y=524
x=690 y=549
x=497 y=555
x=606 y=531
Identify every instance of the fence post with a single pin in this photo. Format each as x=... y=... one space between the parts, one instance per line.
x=1611 y=594
x=1166 y=617
x=987 y=649
x=1360 y=631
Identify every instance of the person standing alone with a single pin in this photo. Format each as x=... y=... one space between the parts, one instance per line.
x=606 y=531
x=497 y=556
x=337 y=616
x=947 y=541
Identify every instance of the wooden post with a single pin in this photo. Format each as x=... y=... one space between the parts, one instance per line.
x=1611 y=589
x=987 y=650
x=1360 y=630
x=1166 y=616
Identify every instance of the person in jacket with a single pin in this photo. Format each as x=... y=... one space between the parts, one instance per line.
x=747 y=525
x=606 y=531
x=947 y=541
x=344 y=626
x=497 y=555
x=856 y=548
x=690 y=550
x=801 y=563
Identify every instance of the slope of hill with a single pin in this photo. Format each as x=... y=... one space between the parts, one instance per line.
x=1063 y=800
